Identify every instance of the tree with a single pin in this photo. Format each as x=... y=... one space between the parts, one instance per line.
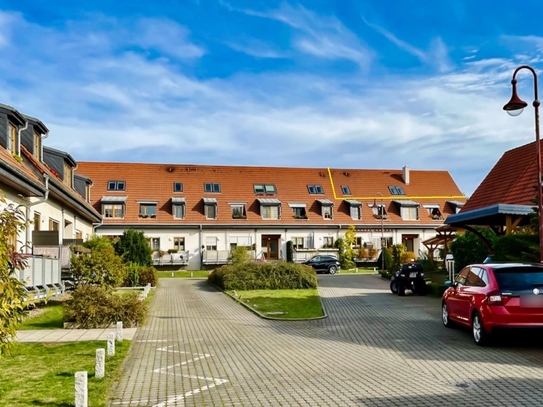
x=517 y=247
x=134 y=248
x=388 y=259
x=101 y=267
x=345 y=261
x=12 y=294
x=468 y=248
x=397 y=251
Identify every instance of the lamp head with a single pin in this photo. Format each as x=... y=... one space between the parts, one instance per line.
x=516 y=105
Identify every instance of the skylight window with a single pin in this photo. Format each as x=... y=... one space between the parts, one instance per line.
x=116 y=185
x=396 y=190
x=315 y=189
x=345 y=190
x=210 y=187
x=264 y=189
x=177 y=187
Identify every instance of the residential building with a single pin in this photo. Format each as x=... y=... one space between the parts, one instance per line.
x=200 y=212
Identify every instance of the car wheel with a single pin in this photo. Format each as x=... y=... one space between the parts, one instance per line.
x=401 y=287
x=445 y=315
x=480 y=336
x=394 y=286
x=332 y=270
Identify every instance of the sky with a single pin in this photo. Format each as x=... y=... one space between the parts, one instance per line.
x=371 y=84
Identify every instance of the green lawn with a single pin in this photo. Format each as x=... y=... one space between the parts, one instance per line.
x=50 y=318
x=39 y=374
x=359 y=271
x=183 y=274
x=292 y=303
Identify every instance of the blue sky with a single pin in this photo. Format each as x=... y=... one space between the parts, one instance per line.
x=355 y=84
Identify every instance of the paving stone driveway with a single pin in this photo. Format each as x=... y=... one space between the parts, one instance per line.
x=200 y=348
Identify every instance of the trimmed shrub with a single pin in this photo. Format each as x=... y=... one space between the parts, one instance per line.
x=290 y=251
x=94 y=307
x=435 y=289
x=132 y=278
x=148 y=275
x=263 y=276
x=239 y=255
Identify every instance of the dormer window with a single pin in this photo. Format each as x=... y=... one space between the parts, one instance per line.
x=238 y=211
x=379 y=211
x=178 y=207
x=113 y=207
x=116 y=185
x=211 y=187
x=355 y=209
x=434 y=212
x=37 y=146
x=210 y=208
x=12 y=143
x=148 y=209
x=67 y=176
x=327 y=208
x=315 y=189
x=409 y=210
x=298 y=210
x=270 y=208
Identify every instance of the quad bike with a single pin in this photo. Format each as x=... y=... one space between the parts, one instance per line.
x=410 y=277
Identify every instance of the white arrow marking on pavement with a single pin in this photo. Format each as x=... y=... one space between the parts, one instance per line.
x=165 y=369
x=180 y=397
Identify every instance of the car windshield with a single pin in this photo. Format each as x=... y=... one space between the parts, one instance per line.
x=519 y=278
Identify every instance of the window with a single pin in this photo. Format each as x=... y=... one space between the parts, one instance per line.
x=210 y=187
x=178 y=211
x=12 y=139
x=78 y=234
x=345 y=190
x=357 y=242
x=240 y=241
x=475 y=277
x=269 y=212
x=238 y=211
x=154 y=243
x=210 y=211
x=410 y=212
x=315 y=189
x=67 y=179
x=355 y=212
x=114 y=211
x=148 y=210
x=177 y=187
x=435 y=213
x=211 y=243
x=298 y=242
x=327 y=212
x=264 y=189
x=328 y=242
x=299 y=213
x=179 y=244
x=379 y=211
x=37 y=221
x=116 y=185
x=396 y=190
x=462 y=277
x=53 y=225
x=37 y=146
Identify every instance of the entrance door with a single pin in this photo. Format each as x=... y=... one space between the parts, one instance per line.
x=270 y=246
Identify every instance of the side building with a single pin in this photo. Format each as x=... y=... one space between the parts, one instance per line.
x=193 y=215
x=43 y=182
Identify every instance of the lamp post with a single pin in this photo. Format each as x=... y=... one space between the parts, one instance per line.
x=380 y=210
x=514 y=107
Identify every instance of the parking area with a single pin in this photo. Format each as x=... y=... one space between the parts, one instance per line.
x=201 y=348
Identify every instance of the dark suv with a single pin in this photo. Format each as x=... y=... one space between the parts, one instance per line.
x=323 y=264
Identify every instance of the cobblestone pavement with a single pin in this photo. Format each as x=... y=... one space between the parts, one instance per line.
x=201 y=348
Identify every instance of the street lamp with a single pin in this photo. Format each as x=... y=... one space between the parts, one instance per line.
x=514 y=107
x=381 y=212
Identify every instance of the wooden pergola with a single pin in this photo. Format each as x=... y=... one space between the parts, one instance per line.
x=445 y=234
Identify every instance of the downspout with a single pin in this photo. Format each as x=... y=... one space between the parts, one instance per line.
x=200 y=248
x=18 y=142
x=39 y=201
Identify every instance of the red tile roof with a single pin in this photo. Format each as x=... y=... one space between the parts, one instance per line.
x=154 y=182
x=512 y=180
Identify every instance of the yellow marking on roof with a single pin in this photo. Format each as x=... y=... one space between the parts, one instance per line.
x=392 y=198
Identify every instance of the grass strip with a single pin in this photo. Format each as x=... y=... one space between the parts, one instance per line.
x=183 y=274
x=42 y=374
x=49 y=318
x=283 y=304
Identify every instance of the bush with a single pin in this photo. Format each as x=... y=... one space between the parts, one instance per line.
x=134 y=248
x=517 y=247
x=148 y=275
x=262 y=276
x=388 y=259
x=239 y=255
x=101 y=266
x=435 y=289
x=132 y=278
x=94 y=307
x=290 y=251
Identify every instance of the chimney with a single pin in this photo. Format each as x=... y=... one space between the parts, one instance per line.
x=406 y=174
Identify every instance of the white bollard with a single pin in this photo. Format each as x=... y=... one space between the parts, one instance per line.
x=100 y=366
x=81 y=390
x=111 y=344
x=120 y=331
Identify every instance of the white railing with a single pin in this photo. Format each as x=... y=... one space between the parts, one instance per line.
x=220 y=256
x=180 y=258
x=301 y=255
x=40 y=271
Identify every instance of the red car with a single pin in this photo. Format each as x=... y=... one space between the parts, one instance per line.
x=495 y=295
